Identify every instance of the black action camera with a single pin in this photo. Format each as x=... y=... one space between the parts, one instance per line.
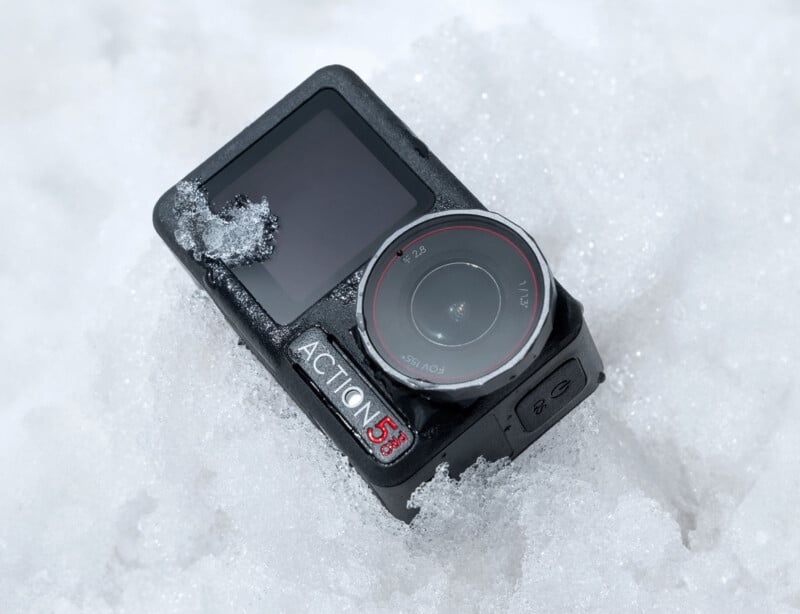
x=410 y=324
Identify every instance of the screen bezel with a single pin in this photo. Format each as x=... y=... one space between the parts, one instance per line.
x=268 y=293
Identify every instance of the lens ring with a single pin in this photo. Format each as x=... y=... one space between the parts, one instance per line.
x=433 y=370
x=457 y=309
x=479 y=353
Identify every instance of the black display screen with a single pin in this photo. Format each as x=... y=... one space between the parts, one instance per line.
x=337 y=189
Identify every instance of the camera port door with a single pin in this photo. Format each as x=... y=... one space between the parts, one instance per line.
x=551 y=395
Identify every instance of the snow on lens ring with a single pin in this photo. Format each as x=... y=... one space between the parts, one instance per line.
x=455 y=300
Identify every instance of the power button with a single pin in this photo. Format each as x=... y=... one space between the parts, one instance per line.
x=551 y=395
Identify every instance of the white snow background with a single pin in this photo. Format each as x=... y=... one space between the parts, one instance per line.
x=149 y=464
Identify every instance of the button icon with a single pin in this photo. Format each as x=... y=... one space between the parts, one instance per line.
x=551 y=396
x=560 y=388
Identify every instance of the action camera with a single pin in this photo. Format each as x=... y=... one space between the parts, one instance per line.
x=411 y=325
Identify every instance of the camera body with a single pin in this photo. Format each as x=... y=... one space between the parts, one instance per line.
x=395 y=422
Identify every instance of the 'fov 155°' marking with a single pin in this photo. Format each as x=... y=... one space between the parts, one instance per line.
x=376 y=426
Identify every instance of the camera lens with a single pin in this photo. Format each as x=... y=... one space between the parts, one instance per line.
x=456 y=302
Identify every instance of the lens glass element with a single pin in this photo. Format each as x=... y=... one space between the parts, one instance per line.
x=455 y=304
x=453 y=299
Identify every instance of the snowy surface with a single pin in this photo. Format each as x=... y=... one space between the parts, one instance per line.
x=148 y=464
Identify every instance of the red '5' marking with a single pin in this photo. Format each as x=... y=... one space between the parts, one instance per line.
x=381 y=424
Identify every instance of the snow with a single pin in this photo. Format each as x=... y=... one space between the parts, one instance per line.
x=150 y=465
x=240 y=234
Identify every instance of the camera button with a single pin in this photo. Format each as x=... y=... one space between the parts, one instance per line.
x=420 y=147
x=551 y=395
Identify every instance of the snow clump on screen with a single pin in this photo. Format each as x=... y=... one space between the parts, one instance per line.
x=240 y=234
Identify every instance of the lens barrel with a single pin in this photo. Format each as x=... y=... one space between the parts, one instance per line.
x=456 y=304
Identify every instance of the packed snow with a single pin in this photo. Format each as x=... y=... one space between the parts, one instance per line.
x=241 y=233
x=149 y=464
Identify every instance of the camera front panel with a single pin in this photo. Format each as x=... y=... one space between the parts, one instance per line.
x=282 y=307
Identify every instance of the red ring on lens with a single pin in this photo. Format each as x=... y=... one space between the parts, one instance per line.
x=428 y=376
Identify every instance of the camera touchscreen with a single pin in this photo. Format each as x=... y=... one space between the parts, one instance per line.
x=337 y=189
